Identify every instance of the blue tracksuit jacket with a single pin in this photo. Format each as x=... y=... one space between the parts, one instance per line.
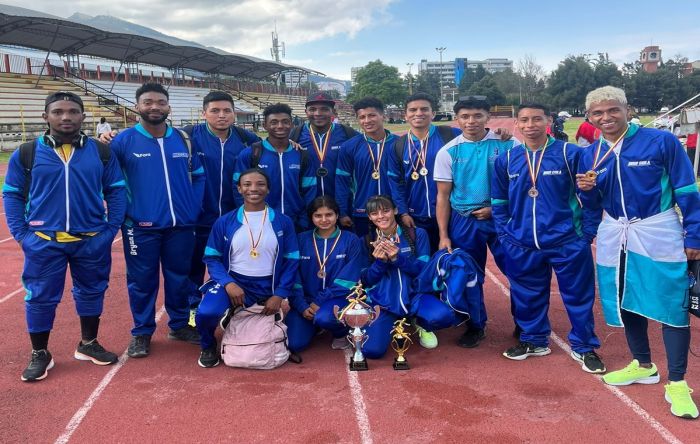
x=218 y=159
x=353 y=175
x=416 y=197
x=64 y=196
x=555 y=216
x=325 y=185
x=216 y=254
x=342 y=267
x=390 y=284
x=165 y=185
x=291 y=190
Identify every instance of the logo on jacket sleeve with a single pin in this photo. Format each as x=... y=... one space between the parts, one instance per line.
x=180 y=155
x=36 y=223
x=141 y=155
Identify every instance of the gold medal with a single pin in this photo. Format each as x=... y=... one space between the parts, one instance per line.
x=254 y=253
x=415 y=175
x=321 y=274
x=376 y=162
x=375 y=175
x=532 y=192
x=254 y=243
x=590 y=174
x=424 y=171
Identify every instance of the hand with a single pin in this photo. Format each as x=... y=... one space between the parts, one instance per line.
x=310 y=312
x=693 y=254
x=295 y=145
x=379 y=251
x=272 y=305
x=408 y=221
x=584 y=183
x=346 y=221
x=482 y=213
x=235 y=294
x=504 y=133
x=445 y=242
x=391 y=249
x=107 y=137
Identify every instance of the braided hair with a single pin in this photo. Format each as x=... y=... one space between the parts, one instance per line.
x=384 y=202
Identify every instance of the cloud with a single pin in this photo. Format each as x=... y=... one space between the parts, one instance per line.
x=240 y=27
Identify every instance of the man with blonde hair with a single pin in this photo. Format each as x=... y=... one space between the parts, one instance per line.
x=637 y=176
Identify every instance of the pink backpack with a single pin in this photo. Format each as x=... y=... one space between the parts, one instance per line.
x=253 y=340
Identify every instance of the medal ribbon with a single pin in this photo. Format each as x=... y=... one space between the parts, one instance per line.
x=420 y=160
x=380 y=152
x=596 y=162
x=322 y=265
x=254 y=244
x=534 y=171
x=326 y=137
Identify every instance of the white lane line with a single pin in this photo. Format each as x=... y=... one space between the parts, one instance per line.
x=117 y=240
x=5 y=298
x=636 y=408
x=6 y=240
x=358 y=401
x=95 y=395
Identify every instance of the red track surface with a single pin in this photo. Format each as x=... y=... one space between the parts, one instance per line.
x=449 y=395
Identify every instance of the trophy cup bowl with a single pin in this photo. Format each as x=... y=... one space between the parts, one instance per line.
x=357 y=315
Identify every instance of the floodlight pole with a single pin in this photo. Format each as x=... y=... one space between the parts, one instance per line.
x=440 y=50
x=410 y=79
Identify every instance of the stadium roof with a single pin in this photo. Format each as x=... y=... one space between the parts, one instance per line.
x=66 y=37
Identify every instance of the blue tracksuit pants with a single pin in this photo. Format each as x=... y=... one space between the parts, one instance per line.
x=145 y=252
x=44 y=276
x=197 y=267
x=301 y=331
x=530 y=273
x=475 y=236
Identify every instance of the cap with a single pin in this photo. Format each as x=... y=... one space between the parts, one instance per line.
x=564 y=114
x=320 y=97
x=636 y=121
x=63 y=95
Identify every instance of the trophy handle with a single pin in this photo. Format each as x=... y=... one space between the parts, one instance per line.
x=375 y=314
x=335 y=311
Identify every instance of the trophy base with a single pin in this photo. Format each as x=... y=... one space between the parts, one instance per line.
x=401 y=365
x=358 y=366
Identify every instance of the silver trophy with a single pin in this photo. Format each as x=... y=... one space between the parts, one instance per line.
x=357 y=315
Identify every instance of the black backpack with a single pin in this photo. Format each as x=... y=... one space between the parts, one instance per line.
x=445 y=133
x=27 y=154
x=257 y=149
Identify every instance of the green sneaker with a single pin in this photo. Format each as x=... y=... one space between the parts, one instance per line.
x=427 y=338
x=682 y=405
x=633 y=374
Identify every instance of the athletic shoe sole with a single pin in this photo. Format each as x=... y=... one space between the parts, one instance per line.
x=654 y=379
x=83 y=357
x=208 y=366
x=527 y=355
x=687 y=416
x=583 y=364
x=46 y=373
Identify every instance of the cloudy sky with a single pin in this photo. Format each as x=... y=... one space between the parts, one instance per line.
x=332 y=36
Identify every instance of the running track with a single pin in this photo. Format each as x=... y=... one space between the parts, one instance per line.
x=449 y=395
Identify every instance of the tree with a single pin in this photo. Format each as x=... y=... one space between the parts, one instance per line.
x=570 y=82
x=428 y=83
x=466 y=81
x=381 y=81
x=487 y=87
x=509 y=83
x=606 y=72
x=531 y=74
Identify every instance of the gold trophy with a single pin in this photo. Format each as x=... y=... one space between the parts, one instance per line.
x=400 y=342
x=357 y=315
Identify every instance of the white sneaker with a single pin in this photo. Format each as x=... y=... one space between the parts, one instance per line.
x=340 y=343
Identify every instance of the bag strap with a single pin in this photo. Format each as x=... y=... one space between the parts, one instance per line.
x=399 y=148
x=445 y=133
x=256 y=154
x=296 y=132
x=27 y=152
x=188 y=143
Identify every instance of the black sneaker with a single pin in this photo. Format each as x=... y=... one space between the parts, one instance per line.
x=38 y=367
x=524 y=350
x=93 y=351
x=590 y=361
x=185 y=334
x=209 y=357
x=140 y=346
x=471 y=338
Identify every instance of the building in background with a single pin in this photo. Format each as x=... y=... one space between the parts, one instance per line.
x=452 y=71
x=650 y=58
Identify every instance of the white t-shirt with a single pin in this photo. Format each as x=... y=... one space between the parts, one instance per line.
x=103 y=128
x=240 y=260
